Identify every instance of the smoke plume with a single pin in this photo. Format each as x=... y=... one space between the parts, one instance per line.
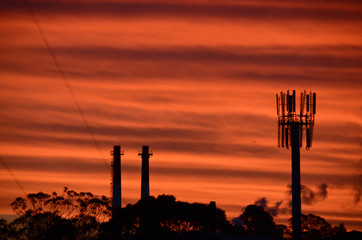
x=309 y=196
x=357 y=189
x=322 y=191
x=272 y=210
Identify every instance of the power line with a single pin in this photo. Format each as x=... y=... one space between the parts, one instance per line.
x=13 y=176
x=71 y=93
x=66 y=83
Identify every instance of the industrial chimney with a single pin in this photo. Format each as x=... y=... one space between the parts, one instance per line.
x=116 y=180
x=145 y=181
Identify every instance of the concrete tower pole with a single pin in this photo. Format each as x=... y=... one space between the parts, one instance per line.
x=296 y=201
x=293 y=122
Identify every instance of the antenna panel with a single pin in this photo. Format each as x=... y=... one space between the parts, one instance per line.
x=314 y=102
x=293 y=101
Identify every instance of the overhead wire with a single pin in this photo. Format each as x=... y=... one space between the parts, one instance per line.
x=60 y=70
x=13 y=176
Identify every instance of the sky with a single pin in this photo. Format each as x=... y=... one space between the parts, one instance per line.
x=194 y=80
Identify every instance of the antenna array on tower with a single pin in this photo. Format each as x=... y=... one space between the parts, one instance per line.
x=286 y=110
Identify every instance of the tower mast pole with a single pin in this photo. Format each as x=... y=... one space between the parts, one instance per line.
x=291 y=126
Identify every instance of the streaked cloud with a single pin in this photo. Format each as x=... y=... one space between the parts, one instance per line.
x=196 y=81
x=197 y=9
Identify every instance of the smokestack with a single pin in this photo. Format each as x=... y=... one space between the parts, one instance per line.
x=145 y=181
x=116 y=180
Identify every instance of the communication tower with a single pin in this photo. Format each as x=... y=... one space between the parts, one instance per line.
x=291 y=126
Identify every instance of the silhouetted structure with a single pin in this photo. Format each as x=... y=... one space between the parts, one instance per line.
x=116 y=180
x=290 y=133
x=82 y=215
x=145 y=181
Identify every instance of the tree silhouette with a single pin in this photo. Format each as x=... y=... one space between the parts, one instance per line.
x=258 y=222
x=71 y=215
x=69 y=205
x=4 y=229
x=41 y=226
x=315 y=227
x=152 y=218
x=82 y=216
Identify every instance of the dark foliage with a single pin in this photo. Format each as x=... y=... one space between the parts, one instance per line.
x=40 y=226
x=152 y=218
x=315 y=227
x=68 y=205
x=73 y=215
x=258 y=222
x=70 y=215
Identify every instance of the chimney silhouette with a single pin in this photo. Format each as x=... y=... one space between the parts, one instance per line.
x=145 y=180
x=116 y=181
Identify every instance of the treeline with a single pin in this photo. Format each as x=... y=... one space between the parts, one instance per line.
x=83 y=215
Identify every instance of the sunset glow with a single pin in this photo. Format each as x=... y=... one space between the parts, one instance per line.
x=194 y=80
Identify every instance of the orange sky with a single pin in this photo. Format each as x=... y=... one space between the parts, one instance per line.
x=195 y=80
